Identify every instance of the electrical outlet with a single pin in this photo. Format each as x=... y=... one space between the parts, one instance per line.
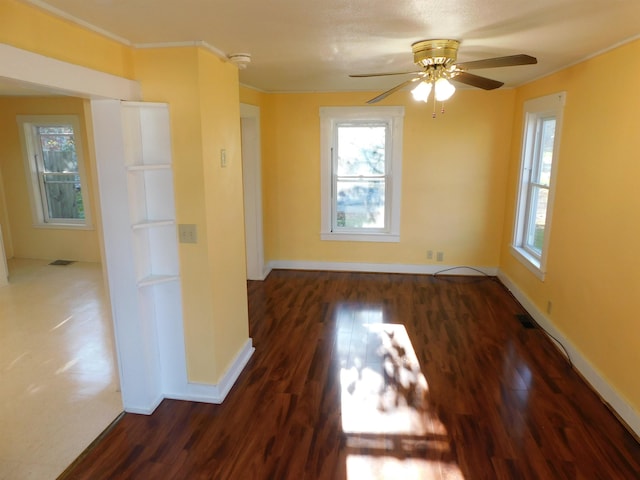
x=440 y=256
x=187 y=233
x=429 y=254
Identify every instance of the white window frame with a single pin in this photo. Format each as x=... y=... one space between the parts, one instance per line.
x=330 y=118
x=26 y=124
x=536 y=110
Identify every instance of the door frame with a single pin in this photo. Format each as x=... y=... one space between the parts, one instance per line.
x=252 y=186
x=56 y=77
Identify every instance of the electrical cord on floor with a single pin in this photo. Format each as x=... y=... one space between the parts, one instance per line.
x=440 y=272
x=564 y=349
x=566 y=352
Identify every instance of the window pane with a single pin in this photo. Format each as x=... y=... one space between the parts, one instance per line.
x=360 y=204
x=537 y=218
x=542 y=173
x=361 y=150
x=60 y=178
x=64 y=197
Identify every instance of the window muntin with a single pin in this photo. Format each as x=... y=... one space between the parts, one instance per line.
x=539 y=183
x=53 y=161
x=535 y=194
x=59 y=180
x=360 y=177
x=361 y=150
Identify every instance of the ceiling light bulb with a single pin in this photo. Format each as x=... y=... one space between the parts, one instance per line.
x=444 y=89
x=422 y=91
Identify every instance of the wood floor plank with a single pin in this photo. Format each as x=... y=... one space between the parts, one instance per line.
x=359 y=376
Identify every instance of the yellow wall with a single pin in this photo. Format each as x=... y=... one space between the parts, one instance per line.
x=593 y=261
x=22 y=239
x=453 y=179
x=220 y=120
x=30 y=28
x=251 y=96
x=203 y=95
x=202 y=92
x=459 y=180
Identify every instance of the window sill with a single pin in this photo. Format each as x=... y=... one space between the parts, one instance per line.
x=360 y=237
x=63 y=226
x=531 y=263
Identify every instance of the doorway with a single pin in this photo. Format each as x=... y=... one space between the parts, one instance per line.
x=252 y=186
x=53 y=445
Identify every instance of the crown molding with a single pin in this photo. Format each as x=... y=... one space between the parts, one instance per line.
x=89 y=26
x=66 y=16
x=191 y=43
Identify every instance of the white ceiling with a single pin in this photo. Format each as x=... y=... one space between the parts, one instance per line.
x=313 y=45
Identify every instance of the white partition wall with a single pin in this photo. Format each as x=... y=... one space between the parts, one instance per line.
x=133 y=156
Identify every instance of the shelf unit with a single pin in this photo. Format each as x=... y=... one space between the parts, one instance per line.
x=135 y=176
x=150 y=190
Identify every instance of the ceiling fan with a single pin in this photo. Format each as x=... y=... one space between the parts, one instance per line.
x=437 y=58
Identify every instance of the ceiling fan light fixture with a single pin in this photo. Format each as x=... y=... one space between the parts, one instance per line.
x=435 y=52
x=436 y=60
x=444 y=89
x=422 y=91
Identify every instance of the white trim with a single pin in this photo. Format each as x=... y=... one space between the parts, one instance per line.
x=590 y=373
x=192 y=43
x=198 y=392
x=4 y=269
x=252 y=190
x=380 y=268
x=533 y=110
x=63 y=226
x=34 y=170
x=63 y=77
x=616 y=45
x=329 y=117
x=62 y=14
x=89 y=26
x=146 y=409
x=360 y=237
x=532 y=264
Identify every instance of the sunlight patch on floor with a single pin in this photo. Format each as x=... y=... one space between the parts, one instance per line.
x=391 y=431
x=57 y=367
x=387 y=394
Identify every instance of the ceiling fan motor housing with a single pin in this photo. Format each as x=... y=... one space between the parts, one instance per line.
x=435 y=52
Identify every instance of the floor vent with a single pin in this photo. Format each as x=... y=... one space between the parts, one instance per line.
x=526 y=320
x=61 y=262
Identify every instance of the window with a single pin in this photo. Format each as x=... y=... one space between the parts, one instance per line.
x=361 y=150
x=543 y=118
x=53 y=161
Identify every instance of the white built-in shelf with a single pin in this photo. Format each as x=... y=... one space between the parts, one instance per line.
x=148 y=166
x=152 y=224
x=157 y=279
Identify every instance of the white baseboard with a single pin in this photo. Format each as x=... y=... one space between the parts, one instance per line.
x=380 y=268
x=590 y=373
x=210 y=393
x=144 y=410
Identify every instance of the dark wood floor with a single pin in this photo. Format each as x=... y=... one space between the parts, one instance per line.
x=359 y=376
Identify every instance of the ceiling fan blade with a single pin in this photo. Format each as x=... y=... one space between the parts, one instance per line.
x=477 y=81
x=364 y=75
x=508 y=61
x=393 y=90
